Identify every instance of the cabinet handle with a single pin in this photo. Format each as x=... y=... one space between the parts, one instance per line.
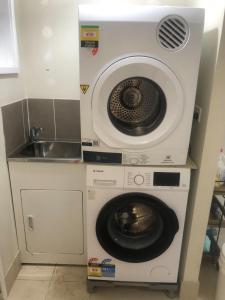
x=30 y=222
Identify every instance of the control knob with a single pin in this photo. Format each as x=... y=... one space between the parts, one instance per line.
x=139 y=179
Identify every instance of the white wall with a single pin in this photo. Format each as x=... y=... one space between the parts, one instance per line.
x=49 y=48
x=11 y=90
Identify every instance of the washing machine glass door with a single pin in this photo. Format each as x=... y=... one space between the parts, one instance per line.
x=136 y=227
x=136 y=102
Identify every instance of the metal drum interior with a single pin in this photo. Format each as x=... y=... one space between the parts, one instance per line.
x=136 y=106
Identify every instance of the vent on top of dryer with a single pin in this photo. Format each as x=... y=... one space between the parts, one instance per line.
x=172 y=32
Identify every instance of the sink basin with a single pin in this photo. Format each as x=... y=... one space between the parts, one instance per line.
x=51 y=150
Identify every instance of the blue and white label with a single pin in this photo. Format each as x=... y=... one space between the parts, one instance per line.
x=103 y=269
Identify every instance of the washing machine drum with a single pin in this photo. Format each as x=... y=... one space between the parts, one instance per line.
x=137 y=101
x=136 y=227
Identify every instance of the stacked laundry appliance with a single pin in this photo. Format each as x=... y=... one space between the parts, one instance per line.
x=138 y=77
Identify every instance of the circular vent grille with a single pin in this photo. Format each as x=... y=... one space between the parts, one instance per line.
x=173 y=32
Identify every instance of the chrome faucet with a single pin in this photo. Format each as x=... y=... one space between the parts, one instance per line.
x=35 y=133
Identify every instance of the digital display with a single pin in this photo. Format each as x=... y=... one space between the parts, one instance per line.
x=166 y=179
x=102 y=157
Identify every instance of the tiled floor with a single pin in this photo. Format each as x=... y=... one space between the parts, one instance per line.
x=69 y=283
x=208 y=280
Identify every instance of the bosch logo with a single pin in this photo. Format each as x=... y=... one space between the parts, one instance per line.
x=98 y=171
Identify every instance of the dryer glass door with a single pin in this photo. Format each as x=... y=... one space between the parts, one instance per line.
x=137 y=101
x=136 y=227
x=136 y=106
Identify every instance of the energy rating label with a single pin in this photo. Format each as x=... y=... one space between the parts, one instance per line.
x=89 y=36
x=101 y=269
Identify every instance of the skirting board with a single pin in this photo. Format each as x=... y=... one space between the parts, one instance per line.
x=13 y=272
x=3 y=291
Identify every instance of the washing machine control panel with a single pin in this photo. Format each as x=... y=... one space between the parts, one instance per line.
x=156 y=178
x=124 y=177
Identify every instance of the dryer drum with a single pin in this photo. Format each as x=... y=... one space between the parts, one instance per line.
x=136 y=106
x=136 y=227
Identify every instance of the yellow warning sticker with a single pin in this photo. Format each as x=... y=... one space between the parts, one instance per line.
x=84 y=88
x=89 y=36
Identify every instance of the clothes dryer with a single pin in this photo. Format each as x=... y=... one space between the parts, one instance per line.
x=138 y=74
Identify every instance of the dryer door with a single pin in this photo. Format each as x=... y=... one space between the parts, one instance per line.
x=136 y=227
x=136 y=102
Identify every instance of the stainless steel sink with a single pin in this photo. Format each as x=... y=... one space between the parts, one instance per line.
x=48 y=150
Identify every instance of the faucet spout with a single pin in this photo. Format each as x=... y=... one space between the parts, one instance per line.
x=35 y=133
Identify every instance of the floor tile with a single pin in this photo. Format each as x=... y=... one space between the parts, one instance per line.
x=129 y=293
x=29 y=290
x=35 y=272
x=208 y=279
x=68 y=283
x=70 y=273
x=67 y=291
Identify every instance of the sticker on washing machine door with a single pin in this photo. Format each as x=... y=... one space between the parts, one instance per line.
x=101 y=269
x=89 y=36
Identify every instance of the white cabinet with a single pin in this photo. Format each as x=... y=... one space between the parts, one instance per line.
x=49 y=205
x=53 y=221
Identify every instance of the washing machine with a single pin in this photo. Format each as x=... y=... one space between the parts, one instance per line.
x=135 y=222
x=138 y=75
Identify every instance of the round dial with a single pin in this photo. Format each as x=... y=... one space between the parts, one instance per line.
x=139 y=179
x=133 y=160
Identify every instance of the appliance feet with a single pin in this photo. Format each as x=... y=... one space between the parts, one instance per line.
x=171 y=294
x=90 y=287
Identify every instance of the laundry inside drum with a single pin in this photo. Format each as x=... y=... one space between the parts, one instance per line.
x=135 y=226
x=136 y=106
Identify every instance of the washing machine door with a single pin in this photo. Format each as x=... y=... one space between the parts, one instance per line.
x=136 y=102
x=136 y=227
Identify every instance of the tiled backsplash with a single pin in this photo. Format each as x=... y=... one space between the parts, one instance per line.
x=67 y=119
x=13 y=124
x=60 y=120
x=41 y=114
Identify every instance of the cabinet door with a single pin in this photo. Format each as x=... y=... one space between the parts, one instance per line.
x=53 y=221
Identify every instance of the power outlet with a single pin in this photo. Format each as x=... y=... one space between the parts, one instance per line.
x=197 y=113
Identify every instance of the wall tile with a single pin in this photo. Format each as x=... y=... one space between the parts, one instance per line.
x=59 y=119
x=13 y=125
x=41 y=114
x=25 y=119
x=67 y=118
